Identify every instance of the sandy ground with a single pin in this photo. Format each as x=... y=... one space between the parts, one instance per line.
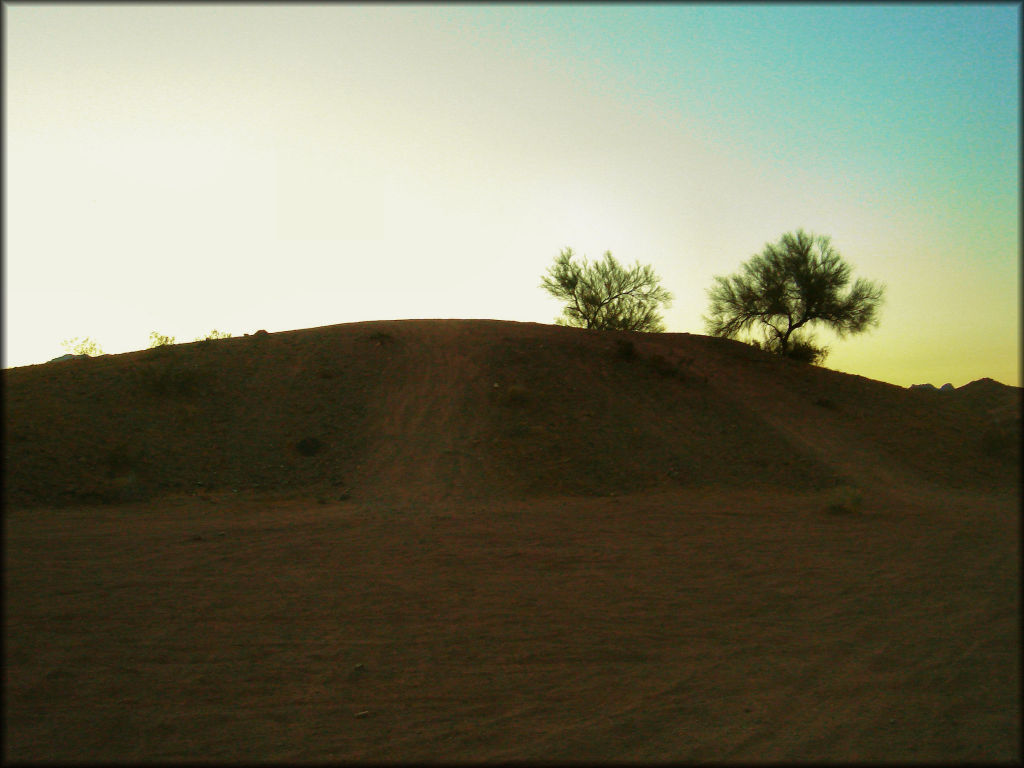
x=683 y=626
x=486 y=541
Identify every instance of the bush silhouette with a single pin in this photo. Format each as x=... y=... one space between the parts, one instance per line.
x=159 y=340
x=214 y=334
x=80 y=346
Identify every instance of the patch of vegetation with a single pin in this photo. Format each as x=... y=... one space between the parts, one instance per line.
x=115 y=490
x=845 y=500
x=122 y=460
x=80 y=346
x=381 y=337
x=825 y=402
x=159 y=340
x=517 y=394
x=214 y=334
x=1001 y=439
x=173 y=378
x=309 y=446
x=625 y=349
x=804 y=352
x=663 y=366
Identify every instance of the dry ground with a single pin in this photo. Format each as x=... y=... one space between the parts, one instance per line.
x=507 y=542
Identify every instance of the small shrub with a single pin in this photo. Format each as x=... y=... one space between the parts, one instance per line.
x=805 y=352
x=825 y=402
x=1001 y=439
x=116 y=490
x=172 y=378
x=517 y=430
x=79 y=346
x=309 y=446
x=625 y=349
x=845 y=500
x=381 y=337
x=121 y=460
x=662 y=365
x=214 y=334
x=159 y=340
x=517 y=395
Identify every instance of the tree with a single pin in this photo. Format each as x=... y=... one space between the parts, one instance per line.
x=159 y=340
x=79 y=346
x=799 y=281
x=605 y=295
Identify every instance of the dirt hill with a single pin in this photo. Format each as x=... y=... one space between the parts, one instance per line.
x=476 y=408
x=469 y=541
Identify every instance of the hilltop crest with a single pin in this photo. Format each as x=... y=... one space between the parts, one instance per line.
x=475 y=408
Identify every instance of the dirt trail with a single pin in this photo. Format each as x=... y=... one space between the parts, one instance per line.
x=427 y=415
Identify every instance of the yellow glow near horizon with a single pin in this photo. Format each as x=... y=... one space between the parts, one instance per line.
x=182 y=168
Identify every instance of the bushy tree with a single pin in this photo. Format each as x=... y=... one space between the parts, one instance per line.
x=797 y=282
x=605 y=295
x=214 y=334
x=80 y=346
x=159 y=340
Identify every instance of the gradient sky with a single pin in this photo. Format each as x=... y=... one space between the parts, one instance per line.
x=179 y=168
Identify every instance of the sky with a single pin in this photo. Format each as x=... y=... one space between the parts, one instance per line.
x=183 y=168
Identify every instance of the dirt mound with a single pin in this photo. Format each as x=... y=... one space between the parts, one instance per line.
x=475 y=408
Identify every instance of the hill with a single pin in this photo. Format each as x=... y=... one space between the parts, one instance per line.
x=488 y=541
x=478 y=409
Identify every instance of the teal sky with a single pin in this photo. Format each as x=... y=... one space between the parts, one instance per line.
x=180 y=168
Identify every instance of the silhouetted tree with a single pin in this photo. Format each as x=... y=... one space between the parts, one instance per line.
x=798 y=281
x=605 y=295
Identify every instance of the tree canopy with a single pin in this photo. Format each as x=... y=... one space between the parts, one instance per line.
x=606 y=295
x=791 y=285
